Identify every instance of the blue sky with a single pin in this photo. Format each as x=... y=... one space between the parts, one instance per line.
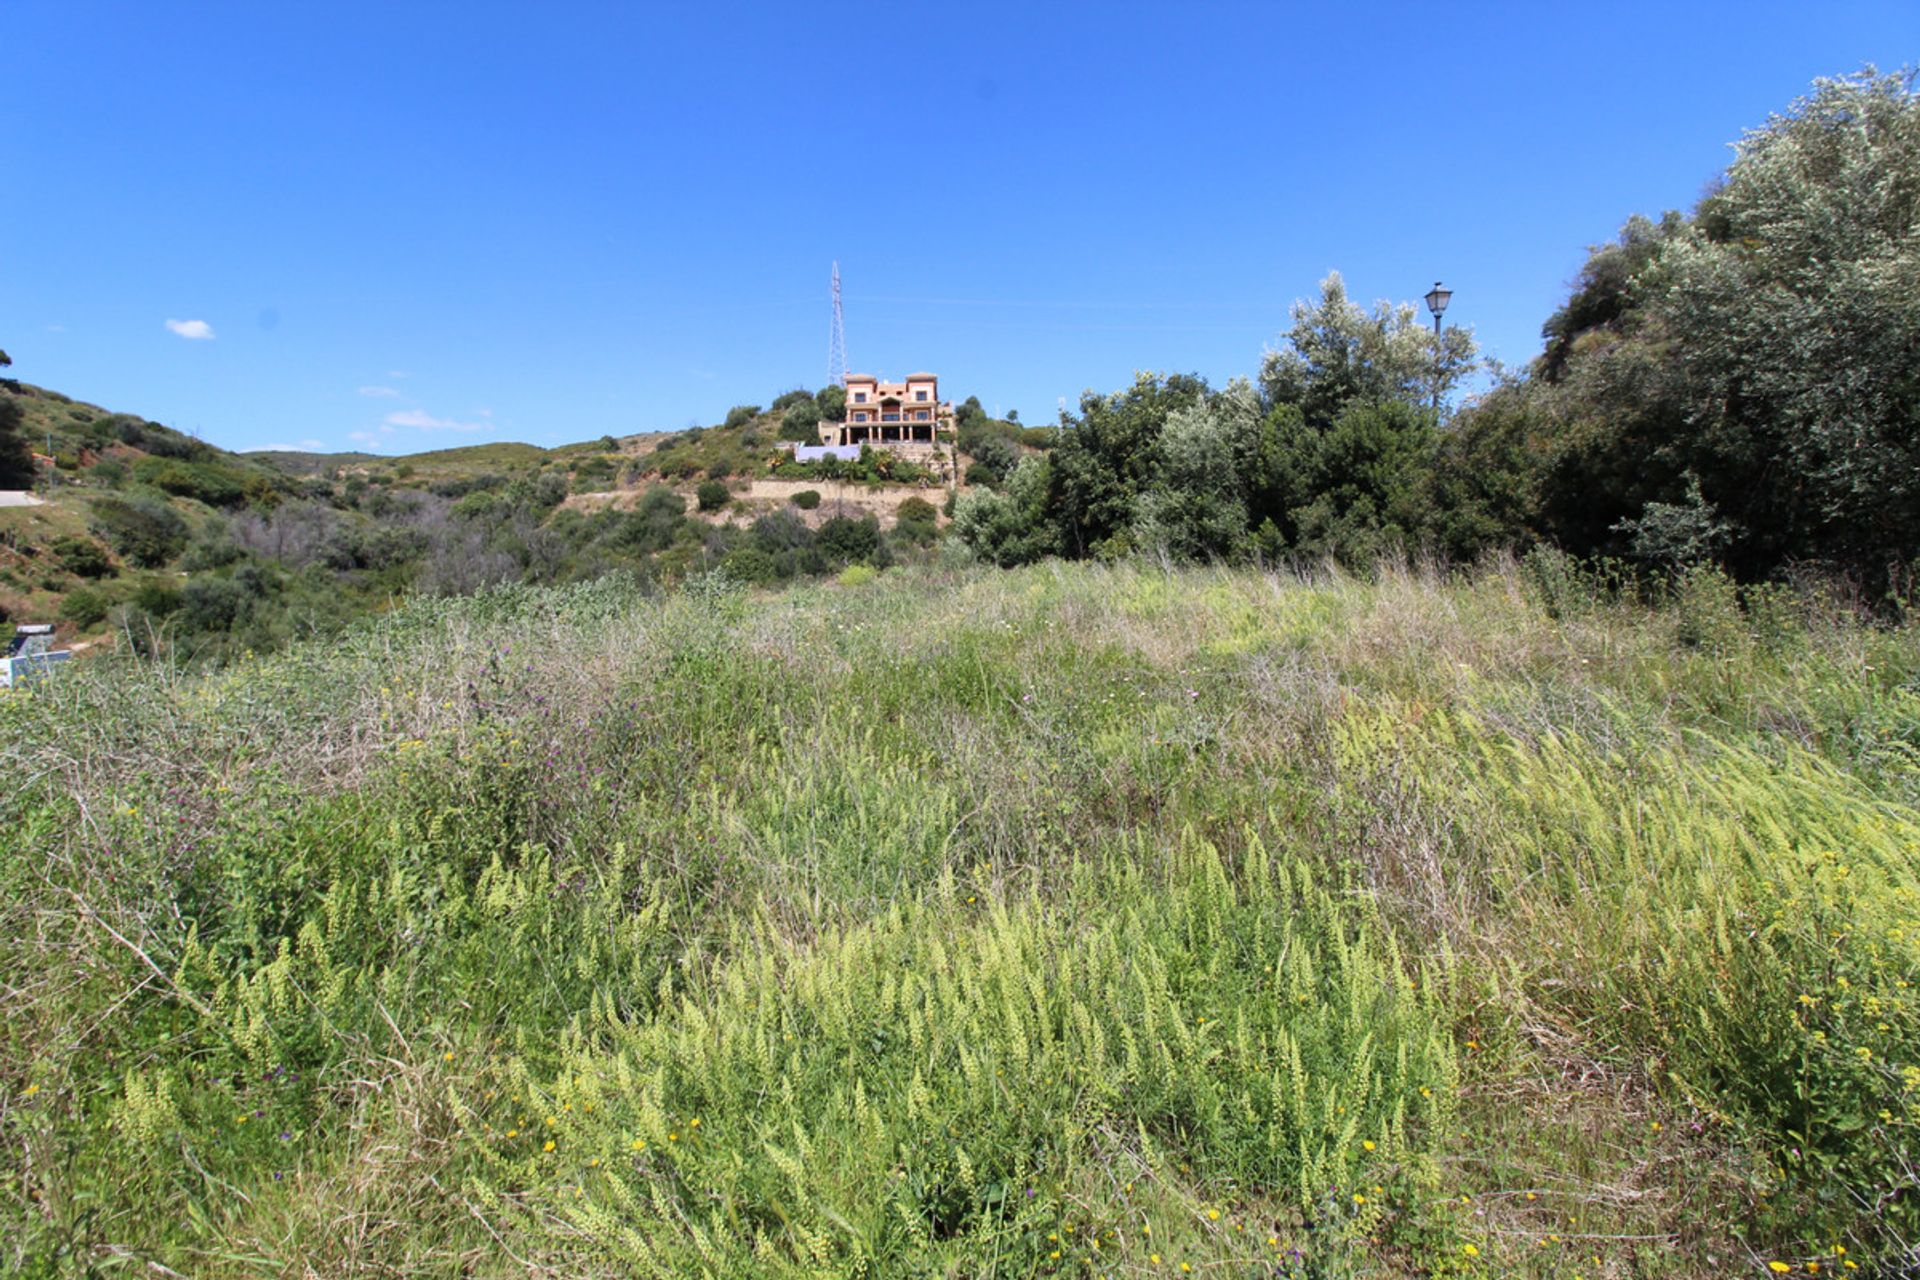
x=418 y=225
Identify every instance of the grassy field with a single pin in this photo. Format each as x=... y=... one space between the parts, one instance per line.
x=1069 y=921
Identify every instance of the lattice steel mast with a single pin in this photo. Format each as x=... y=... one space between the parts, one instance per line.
x=837 y=339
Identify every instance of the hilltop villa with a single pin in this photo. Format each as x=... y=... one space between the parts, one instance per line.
x=879 y=412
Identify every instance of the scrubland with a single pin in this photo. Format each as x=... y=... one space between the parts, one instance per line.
x=1074 y=920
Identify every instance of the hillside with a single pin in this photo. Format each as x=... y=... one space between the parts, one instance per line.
x=152 y=538
x=1070 y=920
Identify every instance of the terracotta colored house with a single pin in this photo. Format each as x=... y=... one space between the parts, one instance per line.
x=908 y=412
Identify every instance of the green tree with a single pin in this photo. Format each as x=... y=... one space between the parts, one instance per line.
x=1011 y=525
x=16 y=456
x=832 y=402
x=1761 y=350
x=1198 y=508
x=1337 y=352
x=801 y=421
x=1369 y=483
x=1108 y=457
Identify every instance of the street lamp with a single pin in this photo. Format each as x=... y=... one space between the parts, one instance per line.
x=1437 y=299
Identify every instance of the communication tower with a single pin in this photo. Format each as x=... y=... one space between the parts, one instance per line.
x=837 y=339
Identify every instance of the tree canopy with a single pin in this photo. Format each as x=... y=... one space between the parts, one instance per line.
x=1739 y=384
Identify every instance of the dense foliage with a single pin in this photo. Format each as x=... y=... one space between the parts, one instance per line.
x=1742 y=381
x=1737 y=385
x=1332 y=453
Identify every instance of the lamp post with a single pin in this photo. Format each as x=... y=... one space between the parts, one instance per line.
x=1437 y=299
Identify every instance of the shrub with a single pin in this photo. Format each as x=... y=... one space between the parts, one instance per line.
x=85 y=607
x=917 y=511
x=214 y=547
x=712 y=495
x=82 y=557
x=917 y=521
x=993 y=456
x=741 y=414
x=801 y=422
x=146 y=531
x=806 y=499
x=215 y=485
x=833 y=403
x=846 y=541
x=459 y=486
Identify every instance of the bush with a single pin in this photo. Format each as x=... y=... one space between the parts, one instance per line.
x=85 y=607
x=741 y=414
x=712 y=495
x=214 y=547
x=993 y=456
x=806 y=499
x=845 y=541
x=801 y=422
x=82 y=557
x=652 y=525
x=215 y=485
x=146 y=531
x=917 y=521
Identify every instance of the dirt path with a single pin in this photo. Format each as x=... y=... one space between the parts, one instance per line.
x=755 y=498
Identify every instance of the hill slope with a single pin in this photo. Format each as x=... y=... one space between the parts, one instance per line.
x=153 y=538
x=1071 y=920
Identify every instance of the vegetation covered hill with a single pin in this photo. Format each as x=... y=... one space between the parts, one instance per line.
x=151 y=539
x=1070 y=920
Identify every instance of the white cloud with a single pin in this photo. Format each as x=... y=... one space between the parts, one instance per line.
x=305 y=446
x=425 y=421
x=378 y=391
x=198 y=330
